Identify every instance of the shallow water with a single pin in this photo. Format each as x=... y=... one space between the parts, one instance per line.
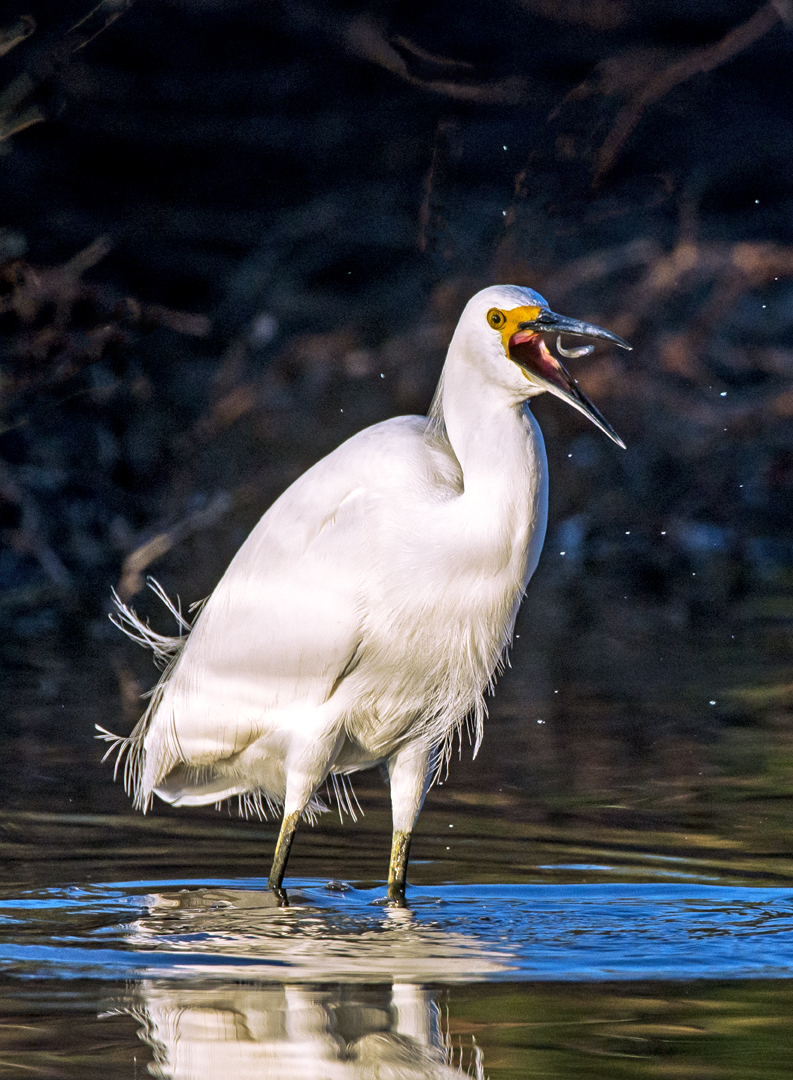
x=331 y=931
x=627 y=963
x=606 y=892
x=213 y=1028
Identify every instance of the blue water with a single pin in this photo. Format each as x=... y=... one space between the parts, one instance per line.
x=452 y=933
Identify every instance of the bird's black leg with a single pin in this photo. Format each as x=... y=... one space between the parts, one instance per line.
x=398 y=867
x=285 y=838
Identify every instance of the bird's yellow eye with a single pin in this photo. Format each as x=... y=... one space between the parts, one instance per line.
x=496 y=318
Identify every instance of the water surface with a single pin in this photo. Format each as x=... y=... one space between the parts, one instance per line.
x=606 y=892
x=602 y=961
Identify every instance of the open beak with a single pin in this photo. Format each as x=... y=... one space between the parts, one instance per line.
x=527 y=348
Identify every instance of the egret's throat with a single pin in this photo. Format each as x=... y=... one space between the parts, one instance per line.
x=528 y=350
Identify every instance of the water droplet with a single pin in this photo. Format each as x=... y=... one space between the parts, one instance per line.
x=713 y=702
x=382 y=376
x=723 y=393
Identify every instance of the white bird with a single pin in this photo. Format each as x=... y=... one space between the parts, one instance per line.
x=368 y=611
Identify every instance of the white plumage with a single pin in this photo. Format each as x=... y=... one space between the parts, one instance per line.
x=366 y=614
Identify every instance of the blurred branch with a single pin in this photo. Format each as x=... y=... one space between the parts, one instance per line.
x=695 y=63
x=139 y=560
x=15 y=32
x=16 y=111
x=11 y=124
x=28 y=536
x=13 y=96
x=595 y=14
x=431 y=61
x=733 y=268
x=364 y=38
x=97 y=20
x=50 y=342
x=439 y=151
x=602 y=264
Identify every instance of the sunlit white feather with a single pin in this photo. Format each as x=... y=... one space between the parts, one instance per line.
x=370 y=607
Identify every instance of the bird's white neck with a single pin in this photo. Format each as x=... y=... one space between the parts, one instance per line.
x=501 y=453
x=484 y=419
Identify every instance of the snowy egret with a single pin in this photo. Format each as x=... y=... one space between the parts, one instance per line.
x=367 y=613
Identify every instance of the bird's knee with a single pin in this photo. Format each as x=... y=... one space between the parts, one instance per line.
x=410 y=771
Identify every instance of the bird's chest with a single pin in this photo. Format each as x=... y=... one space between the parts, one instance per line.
x=438 y=622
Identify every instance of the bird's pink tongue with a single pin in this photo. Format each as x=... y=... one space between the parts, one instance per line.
x=530 y=351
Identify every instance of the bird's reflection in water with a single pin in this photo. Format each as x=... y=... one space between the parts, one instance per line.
x=321 y=937
x=342 y=1032
x=349 y=1002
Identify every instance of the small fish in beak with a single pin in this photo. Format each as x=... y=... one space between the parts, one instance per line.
x=527 y=348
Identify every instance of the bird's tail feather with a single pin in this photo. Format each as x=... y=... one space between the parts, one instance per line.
x=129 y=750
x=163 y=646
x=166 y=651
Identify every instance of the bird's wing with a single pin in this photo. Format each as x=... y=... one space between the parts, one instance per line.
x=283 y=625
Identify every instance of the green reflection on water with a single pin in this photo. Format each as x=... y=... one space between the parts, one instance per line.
x=206 y=1031
x=697 y=1029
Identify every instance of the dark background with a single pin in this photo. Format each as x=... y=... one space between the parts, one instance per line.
x=232 y=233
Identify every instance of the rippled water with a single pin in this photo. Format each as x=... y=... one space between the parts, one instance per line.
x=623 y=964
x=606 y=892
x=331 y=931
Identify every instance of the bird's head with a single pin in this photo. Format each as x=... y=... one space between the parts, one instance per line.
x=514 y=322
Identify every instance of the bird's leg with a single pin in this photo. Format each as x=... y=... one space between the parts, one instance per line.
x=285 y=838
x=410 y=770
x=398 y=866
x=313 y=758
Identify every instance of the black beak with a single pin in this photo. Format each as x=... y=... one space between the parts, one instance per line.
x=527 y=348
x=551 y=323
